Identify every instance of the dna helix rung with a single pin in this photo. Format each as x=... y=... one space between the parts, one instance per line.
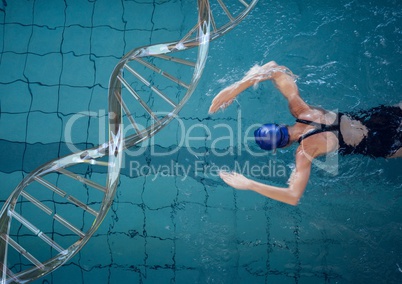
x=60 y=205
x=145 y=56
x=59 y=216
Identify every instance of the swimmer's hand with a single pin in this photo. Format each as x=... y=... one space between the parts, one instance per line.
x=255 y=75
x=224 y=98
x=235 y=180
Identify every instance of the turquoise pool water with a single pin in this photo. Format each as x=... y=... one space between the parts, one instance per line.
x=173 y=220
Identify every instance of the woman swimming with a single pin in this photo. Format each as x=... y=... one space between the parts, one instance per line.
x=376 y=132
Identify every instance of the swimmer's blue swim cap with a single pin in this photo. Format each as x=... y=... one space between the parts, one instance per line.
x=271 y=136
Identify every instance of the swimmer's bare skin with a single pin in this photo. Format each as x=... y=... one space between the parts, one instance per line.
x=398 y=154
x=310 y=148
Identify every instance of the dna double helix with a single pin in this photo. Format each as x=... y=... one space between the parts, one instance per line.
x=58 y=207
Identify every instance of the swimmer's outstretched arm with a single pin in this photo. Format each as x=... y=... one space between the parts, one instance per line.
x=282 y=78
x=290 y=195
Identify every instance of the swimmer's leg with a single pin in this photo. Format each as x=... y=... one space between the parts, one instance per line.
x=397 y=154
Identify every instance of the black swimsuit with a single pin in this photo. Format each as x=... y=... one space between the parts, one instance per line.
x=384 y=125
